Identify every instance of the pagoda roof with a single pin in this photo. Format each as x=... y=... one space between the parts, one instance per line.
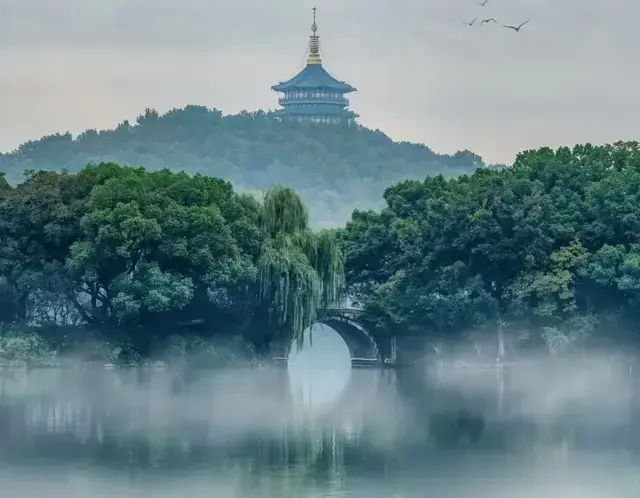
x=313 y=76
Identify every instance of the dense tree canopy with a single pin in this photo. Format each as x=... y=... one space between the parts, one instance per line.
x=133 y=254
x=547 y=251
x=334 y=168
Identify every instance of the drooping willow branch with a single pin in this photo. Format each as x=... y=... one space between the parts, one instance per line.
x=300 y=270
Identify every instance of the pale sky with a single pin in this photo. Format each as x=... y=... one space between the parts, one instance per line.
x=570 y=76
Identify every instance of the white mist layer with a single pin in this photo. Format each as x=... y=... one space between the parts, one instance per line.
x=253 y=403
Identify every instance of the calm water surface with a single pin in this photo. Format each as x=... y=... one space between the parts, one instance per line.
x=328 y=432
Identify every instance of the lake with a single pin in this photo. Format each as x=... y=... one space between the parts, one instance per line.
x=273 y=432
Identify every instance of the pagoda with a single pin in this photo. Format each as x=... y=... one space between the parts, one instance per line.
x=313 y=94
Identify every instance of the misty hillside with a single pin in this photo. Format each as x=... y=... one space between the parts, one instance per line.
x=336 y=168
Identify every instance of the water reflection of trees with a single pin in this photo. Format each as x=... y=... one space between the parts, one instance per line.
x=66 y=415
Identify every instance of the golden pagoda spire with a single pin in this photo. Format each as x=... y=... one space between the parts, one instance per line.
x=314 y=43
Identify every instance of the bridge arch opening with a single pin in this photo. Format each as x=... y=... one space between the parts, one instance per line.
x=363 y=347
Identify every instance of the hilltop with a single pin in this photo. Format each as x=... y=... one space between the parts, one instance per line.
x=335 y=168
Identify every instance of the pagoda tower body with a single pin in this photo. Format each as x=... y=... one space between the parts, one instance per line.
x=313 y=94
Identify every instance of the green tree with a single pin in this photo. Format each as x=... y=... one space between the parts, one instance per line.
x=546 y=249
x=300 y=270
x=134 y=255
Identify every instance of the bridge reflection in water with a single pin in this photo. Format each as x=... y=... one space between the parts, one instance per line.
x=323 y=385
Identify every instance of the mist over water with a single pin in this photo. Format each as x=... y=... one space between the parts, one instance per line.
x=547 y=428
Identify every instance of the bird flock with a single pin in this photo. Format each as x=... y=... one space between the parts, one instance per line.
x=492 y=20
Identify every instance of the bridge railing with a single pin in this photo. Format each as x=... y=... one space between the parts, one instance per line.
x=353 y=312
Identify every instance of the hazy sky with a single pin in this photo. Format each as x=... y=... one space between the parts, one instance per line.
x=571 y=75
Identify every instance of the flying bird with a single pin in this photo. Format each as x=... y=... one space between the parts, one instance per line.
x=516 y=28
x=482 y=3
x=470 y=23
x=491 y=19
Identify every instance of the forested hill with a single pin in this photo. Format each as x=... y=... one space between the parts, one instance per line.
x=335 y=168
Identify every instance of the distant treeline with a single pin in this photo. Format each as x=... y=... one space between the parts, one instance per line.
x=335 y=169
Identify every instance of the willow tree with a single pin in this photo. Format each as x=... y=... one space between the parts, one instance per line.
x=300 y=270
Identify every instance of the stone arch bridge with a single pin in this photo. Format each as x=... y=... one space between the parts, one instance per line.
x=366 y=349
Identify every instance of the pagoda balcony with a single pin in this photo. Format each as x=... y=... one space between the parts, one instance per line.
x=314 y=100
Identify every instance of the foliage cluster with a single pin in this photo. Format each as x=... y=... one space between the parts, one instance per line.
x=544 y=252
x=133 y=255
